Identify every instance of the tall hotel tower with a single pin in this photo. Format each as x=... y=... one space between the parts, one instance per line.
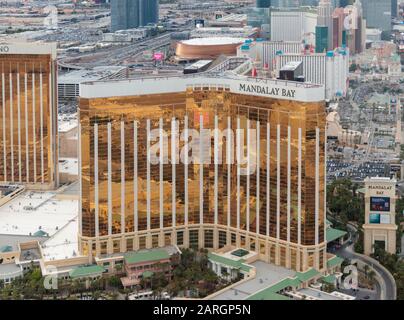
x=28 y=115
x=324 y=28
x=140 y=190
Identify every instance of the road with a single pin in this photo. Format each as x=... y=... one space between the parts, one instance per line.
x=346 y=251
x=113 y=56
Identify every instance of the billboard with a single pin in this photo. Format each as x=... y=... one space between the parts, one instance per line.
x=158 y=56
x=379 y=204
x=379 y=218
x=374 y=218
x=199 y=23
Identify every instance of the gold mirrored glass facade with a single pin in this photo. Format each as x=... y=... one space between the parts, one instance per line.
x=129 y=203
x=28 y=117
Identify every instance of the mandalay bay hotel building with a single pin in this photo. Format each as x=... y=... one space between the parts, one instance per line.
x=28 y=115
x=207 y=160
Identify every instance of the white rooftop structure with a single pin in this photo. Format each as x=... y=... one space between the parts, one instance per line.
x=63 y=244
x=266 y=276
x=69 y=166
x=65 y=123
x=97 y=73
x=233 y=32
x=33 y=212
x=234 y=17
x=69 y=83
x=213 y=41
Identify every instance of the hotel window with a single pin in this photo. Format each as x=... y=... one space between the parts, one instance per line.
x=117 y=246
x=283 y=256
x=103 y=247
x=242 y=241
x=293 y=258
x=233 y=239
x=262 y=247
x=272 y=251
x=208 y=238
x=142 y=242
x=155 y=240
x=222 y=239
x=129 y=244
x=252 y=244
x=167 y=238
x=193 y=238
x=85 y=248
x=180 y=238
x=321 y=256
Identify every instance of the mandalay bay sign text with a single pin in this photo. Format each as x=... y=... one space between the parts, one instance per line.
x=267 y=90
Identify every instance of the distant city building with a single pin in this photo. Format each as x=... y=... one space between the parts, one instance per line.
x=338 y=28
x=260 y=18
x=263 y=3
x=356 y=34
x=329 y=69
x=128 y=14
x=394 y=8
x=266 y=51
x=28 y=123
x=378 y=15
x=324 y=28
x=124 y=14
x=373 y=35
x=148 y=12
x=293 y=25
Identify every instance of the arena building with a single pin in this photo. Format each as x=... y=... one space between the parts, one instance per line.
x=207 y=48
x=270 y=200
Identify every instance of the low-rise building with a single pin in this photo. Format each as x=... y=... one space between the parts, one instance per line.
x=143 y=264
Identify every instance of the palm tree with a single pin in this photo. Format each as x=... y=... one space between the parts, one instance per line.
x=371 y=277
x=366 y=269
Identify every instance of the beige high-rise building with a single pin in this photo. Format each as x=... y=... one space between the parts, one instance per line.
x=139 y=188
x=28 y=115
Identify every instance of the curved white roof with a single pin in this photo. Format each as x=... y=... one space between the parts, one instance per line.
x=213 y=41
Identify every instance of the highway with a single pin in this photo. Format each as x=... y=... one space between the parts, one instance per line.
x=115 y=56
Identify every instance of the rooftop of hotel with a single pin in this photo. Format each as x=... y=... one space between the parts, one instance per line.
x=82 y=75
x=255 y=86
x=213 y=41
x=67 y=123
x=34 y=47
x=9 y=243
x=150 y=255
x=266 y=276
x=63 y=244
x=69 y=166
x=314 y=294
x=207 y=75
x=36 y=214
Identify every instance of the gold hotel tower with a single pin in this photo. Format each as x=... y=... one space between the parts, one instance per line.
x=129 y=203
x=28 y=115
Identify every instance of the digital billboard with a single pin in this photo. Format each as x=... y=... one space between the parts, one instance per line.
x=374 y=218
x=377 y=218
x=379 y=204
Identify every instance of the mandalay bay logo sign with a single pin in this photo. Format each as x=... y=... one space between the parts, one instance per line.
x=205 y=146
x=273 y=91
